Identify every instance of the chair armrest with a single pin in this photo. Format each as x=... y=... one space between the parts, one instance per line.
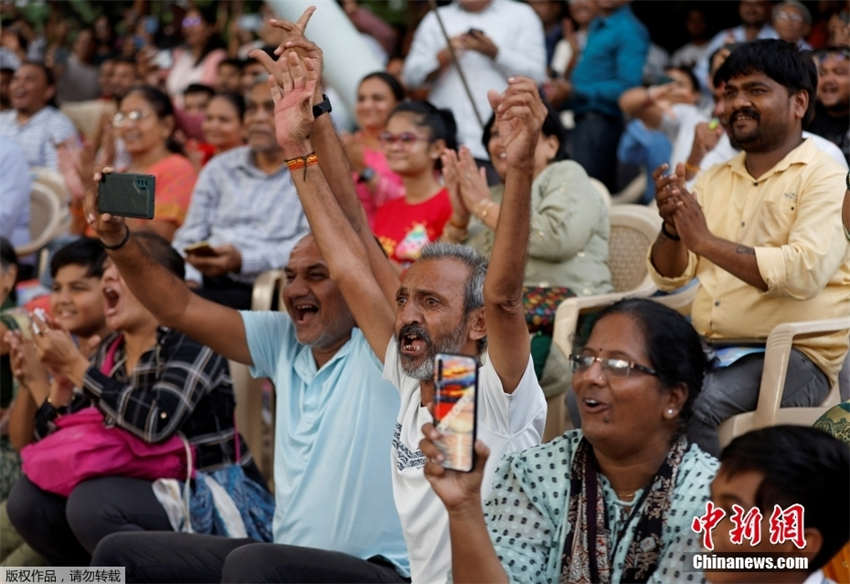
x=566 y=318
x=776 y=357
x=264 y=290
x=680 y=301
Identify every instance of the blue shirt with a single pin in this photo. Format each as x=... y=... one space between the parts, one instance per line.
x=14 y=193
x=611 y=62
x=39 y=135
x=333 y=432
x=237 y=203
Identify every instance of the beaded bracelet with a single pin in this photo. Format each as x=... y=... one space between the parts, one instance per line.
x=302 y=162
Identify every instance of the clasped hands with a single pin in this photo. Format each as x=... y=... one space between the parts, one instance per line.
x=679 y=209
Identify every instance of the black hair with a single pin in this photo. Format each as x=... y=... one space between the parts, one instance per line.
x=440 y=122
x=673 y=347
x=728 y=46
x=199 y=88
x=9 y=258
x=49 y=76
x=800 y=465
x=779 y=60
x=85 y=251
x=689 y=72
x=162 y=253
x=552 y=126
x=124 y=60
x=235 y=99
x=161 y=105
x=232 y=62
x=208 y=15
x=390 y=81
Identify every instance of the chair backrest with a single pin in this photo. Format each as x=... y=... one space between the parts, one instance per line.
x=48 y=215
x=633 y=230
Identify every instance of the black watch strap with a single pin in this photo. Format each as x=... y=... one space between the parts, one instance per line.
x=323 y=107
x=847 y=180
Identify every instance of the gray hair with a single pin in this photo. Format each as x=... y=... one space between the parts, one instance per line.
x=473 y=293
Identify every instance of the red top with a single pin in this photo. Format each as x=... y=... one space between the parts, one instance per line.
x=404 y=229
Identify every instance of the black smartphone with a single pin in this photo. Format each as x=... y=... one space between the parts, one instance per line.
x=455 y=409
x=127 y=195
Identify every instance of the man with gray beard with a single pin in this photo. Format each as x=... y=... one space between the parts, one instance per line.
x=447 y=301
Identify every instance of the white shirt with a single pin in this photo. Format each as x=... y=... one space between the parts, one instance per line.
x=506 y=423
x=730 y=35
x=512 y=26
x=14 y=193
x=39 y=135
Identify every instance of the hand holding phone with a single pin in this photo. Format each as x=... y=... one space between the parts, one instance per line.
x=455 y=401
x=127 y=195
x=201 y=249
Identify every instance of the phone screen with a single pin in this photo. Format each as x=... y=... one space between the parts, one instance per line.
x=455 y=409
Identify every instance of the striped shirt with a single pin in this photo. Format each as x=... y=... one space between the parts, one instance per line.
x=39 y=135
x=176 y=386
x=237 y=203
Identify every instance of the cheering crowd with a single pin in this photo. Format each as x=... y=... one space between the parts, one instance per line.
x=469 y=194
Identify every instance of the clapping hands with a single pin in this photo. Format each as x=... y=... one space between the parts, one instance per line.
x=519 y=116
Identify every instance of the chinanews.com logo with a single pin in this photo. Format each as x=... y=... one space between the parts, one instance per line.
x=784 y=525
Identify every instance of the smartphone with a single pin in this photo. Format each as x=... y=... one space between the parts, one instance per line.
x=455 y=405
x=202 y=249
x=127 y=195
x=17 y=319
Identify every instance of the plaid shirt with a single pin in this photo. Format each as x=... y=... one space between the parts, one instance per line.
x=177 y=386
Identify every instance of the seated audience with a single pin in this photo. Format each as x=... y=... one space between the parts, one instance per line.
x=755 y=25
x=447 y=301
x=34 y=123
x=14 y=193
x=612 y=502
x=196 y=96
x=333 y=425
x=377 y=96
x=492 y=40
x=696 y=23
x=222 y=125
x=244 y=205
x=762 y=233
x=661 y=112
x=775 y=468
x=569 y=218
x=832 y=108
x=9 y=270
x=76 y=303
x=612 y=61
x=792 y=22
x=228 y=76
x=152 y=382
x=145 y=124
x=77 y=79
x=197 y=60
x=415 y=136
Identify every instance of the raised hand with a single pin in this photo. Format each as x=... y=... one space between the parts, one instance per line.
x=519 y=117
x=668 y=189
x=293 y=82
x=110 y=228
x=473 y=180
x=454 y=488
x=26 y=366
x=460 y=214
x=291 y=31
x=56 y=349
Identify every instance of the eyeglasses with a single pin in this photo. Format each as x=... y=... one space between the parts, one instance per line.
x=191 y=21
x=120 y=118
x=616 y=367
x=406 y=138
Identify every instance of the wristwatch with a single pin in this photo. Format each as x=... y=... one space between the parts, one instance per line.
x=323 y=107
x=366 y=175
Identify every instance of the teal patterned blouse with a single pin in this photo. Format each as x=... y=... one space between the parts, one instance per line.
x=526 y=513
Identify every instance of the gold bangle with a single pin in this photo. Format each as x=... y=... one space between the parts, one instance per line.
x=690 y=167
x=486 y=203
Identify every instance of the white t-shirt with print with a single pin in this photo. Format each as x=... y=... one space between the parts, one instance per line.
x=506 y=423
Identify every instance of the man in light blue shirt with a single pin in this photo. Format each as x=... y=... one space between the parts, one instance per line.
x=14 y=193
x=333 y=429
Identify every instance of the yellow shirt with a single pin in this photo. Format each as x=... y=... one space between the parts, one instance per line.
x=791 y=216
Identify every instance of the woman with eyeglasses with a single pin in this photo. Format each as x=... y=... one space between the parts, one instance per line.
x=145 y=122
x=377 y=95
x=612 y=502
x=415 y=136
x=197 y=60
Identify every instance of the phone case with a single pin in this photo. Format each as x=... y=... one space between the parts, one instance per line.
x=127 y=195
x=455 y=409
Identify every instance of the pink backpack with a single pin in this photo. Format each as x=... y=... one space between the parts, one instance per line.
x=83 y=447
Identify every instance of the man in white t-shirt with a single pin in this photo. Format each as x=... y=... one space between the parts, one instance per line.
x=447 y=301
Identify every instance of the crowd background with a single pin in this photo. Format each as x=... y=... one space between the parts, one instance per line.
x=180 y=90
